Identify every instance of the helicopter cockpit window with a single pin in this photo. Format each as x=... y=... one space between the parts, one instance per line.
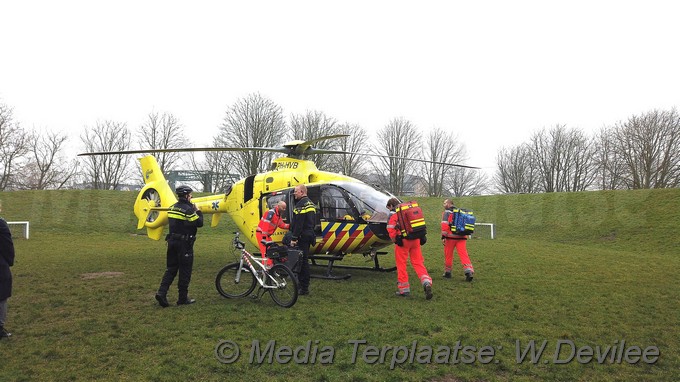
x=365 y=211
x=369 y=202
x=334 y=206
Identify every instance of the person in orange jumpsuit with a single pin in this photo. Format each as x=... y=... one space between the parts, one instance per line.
x=452 y=241
x=271 y=220
x=403 y=250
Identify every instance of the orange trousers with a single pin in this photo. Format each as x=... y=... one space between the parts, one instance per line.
x=410 y=249
x=263 y=249
x=460 y=246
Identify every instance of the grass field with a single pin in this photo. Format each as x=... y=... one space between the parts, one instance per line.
x=577 y=271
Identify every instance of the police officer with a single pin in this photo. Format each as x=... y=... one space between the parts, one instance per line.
x=184 y=219
x=6 y=261
x=302 y=232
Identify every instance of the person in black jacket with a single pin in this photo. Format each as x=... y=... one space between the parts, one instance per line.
x=302 y=232
x=184 y=219
x=6 y=261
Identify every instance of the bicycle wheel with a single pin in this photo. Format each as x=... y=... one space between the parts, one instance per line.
x=229 y=287
x=287 y=292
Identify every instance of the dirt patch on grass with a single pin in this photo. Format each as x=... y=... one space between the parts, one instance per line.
x=90 y=276
x=610 y=237
x=447 y=379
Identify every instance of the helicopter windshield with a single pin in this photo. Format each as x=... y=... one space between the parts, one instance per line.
x=369 y=202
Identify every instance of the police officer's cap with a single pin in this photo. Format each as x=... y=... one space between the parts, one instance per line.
x=183 y=190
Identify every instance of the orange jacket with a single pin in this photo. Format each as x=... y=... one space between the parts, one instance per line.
x=393 y=228
x=270 y=220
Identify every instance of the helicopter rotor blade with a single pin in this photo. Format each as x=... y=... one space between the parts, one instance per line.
x=187 y=149
x=294 y=149
x=423 y=161
x=320 y=151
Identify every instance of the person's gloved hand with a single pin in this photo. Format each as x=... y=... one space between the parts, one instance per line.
x=399 y=241
x=423 y=240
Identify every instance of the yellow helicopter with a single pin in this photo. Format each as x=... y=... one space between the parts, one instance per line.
x=351 y=215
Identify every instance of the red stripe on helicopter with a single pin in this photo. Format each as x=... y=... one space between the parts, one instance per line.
x=339 y=234
x=354 y=231
x=367 y=236
x=327 y=234
x=352 y=238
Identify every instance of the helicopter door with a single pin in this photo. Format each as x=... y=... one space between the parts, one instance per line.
x=314 y=194
x=270 y=200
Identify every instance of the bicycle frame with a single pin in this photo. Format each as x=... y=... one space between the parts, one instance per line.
x=239 y=279
x=260 y=274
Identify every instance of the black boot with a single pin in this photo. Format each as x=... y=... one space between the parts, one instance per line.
x=428 y=291
x=4 y=333
x=185 y=301
x=162 y=300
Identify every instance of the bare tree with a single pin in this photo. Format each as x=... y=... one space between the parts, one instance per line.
x=218 y=167
x=515 y=170
x=649 y=148
x=441 y=147
x=466 y=182
x=106 y=171
x=352 y=164
x=162 y=131
x=564 y=159
x=579 y=162
x=312 y=125
x=398 y=139
x=607 y=161
x=13 y=147
x=252 y=122
x=47 y=168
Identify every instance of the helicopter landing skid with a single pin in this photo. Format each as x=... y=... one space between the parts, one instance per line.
x=331 y=264
x=329 y=267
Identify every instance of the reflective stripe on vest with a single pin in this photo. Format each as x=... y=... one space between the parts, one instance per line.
x=179 y=214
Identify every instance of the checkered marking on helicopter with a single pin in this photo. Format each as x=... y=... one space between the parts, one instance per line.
x=343 y=235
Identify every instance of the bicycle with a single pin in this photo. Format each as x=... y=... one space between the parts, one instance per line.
x=239 y=279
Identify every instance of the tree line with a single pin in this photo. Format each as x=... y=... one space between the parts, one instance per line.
x=641 y=152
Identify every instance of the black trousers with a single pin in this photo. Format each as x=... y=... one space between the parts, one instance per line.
x=303 y=277
x=179 y=259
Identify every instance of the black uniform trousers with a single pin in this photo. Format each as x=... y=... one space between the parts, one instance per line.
x=304 y=245
x=180 y=258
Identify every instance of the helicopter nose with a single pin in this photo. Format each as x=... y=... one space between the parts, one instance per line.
x=379 y=230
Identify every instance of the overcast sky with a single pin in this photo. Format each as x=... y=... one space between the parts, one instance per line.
x=493 y=71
